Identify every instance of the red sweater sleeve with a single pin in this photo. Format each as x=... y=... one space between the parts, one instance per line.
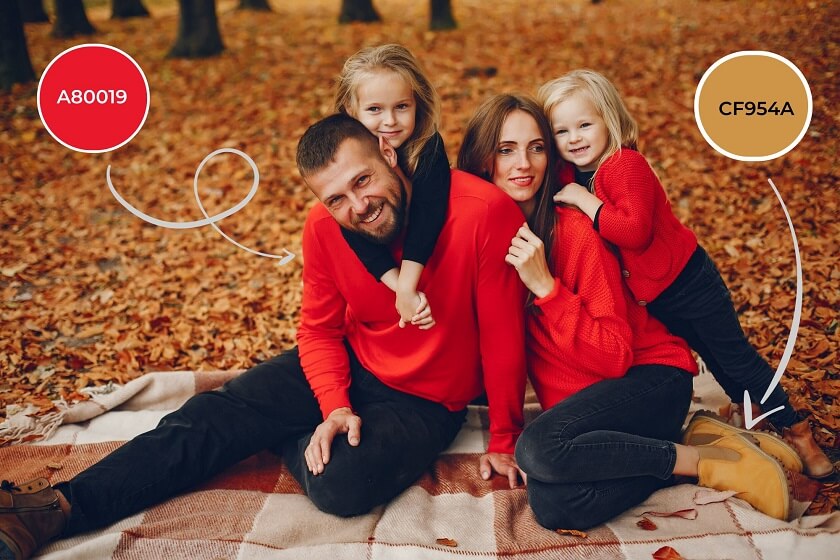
x=628 y=187
x=320 y=335
x=500 y=300
x=586 y=311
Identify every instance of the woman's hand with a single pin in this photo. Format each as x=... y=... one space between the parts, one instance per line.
x=502 y=463
x=527 y=255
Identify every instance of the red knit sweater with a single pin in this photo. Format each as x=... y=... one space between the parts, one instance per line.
x=588 y=328
x=637 y=218
x=476 y=298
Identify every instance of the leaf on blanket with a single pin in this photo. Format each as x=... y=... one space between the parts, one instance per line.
x=447 y=542
x=572 y=532
x=684 y=513
x=705 y=496
x=54 y=466
x=667 y=553
x=646 y=524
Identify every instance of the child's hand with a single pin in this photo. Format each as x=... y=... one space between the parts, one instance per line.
x=413 y=308
x=577 y=196
x=572 y=194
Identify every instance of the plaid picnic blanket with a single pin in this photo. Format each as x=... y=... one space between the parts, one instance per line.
x=257 y=510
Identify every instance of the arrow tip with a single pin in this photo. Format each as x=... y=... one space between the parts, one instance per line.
x=749 y=423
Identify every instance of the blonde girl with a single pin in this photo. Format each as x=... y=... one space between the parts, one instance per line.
x=386 y=90
x=661 y=261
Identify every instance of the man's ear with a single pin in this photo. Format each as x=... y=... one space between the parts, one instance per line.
x=388 y=151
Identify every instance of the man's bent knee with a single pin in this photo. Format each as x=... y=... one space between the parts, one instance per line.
x=339 y=496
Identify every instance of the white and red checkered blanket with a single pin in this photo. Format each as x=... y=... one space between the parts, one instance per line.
x=257 y=510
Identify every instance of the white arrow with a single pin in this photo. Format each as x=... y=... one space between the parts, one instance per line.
x=208 y=220
x=794 y=328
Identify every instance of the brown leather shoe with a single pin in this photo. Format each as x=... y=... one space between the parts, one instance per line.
x=816 y=464
x=30 y=515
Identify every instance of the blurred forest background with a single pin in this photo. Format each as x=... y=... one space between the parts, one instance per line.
x=91 y=294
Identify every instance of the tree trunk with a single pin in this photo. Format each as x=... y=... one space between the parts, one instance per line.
x=441 y=15
x=15 y=66
x=32 y=11
x=198 y=30
x=357 y=10
x=124 y=9
x=259 y=5
x=70 y=19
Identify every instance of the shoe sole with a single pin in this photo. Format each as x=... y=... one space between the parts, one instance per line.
x=791 y=459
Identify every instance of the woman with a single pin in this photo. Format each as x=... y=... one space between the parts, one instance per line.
x=614 y=384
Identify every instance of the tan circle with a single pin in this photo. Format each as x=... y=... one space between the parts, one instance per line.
x=753 y=105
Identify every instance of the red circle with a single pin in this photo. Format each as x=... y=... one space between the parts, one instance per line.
x=93 y=98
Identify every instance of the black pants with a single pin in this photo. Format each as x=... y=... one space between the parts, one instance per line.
x=271 y=406
x=697 y=306
x=606 y=448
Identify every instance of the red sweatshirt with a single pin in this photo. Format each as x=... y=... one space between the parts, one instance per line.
x=476 y=299
x=636 y=217
x=589 y=328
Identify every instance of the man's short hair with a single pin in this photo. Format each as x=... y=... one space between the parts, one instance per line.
x=319 y=144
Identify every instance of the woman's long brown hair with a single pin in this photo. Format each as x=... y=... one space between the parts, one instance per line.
x=478 y=156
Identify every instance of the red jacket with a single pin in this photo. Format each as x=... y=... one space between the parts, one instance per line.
x=588 y=328
x=476 y=299
x=637 y=218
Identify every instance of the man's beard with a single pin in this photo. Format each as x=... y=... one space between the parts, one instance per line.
x=388 y=231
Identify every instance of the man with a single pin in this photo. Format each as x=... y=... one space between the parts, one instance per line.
x=399 y=394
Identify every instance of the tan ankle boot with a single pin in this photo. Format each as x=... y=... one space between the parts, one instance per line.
x=800 y=437
x=30 y=515
x=734 y=462
x=705 y=427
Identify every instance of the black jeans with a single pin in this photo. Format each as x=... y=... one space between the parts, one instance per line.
x=698 y=308
x=606 y=448
x=271 y=406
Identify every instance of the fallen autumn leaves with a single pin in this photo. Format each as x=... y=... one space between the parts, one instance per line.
x=90 y=294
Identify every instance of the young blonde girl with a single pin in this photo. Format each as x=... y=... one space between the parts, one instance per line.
x=661 y=261
x=386 y=90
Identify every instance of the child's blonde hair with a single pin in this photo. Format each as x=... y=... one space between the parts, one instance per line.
x=622 y=129
x=399 y=60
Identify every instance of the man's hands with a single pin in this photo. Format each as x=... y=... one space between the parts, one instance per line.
x=502 y=463
x=340 y=421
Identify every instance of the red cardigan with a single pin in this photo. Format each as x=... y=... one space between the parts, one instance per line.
x=589 y=328
x=636 y=217
x=476 y=298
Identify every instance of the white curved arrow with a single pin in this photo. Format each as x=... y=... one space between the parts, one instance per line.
x=208 y=220
x=794 y=328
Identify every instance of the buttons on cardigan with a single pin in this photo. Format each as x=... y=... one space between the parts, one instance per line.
x=625 y=273
x=642 y=302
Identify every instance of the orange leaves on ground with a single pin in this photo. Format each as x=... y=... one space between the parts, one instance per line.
x=667 y=553
x=89 y=293
x=684 y=513
x=646 y=524
x=572 y=533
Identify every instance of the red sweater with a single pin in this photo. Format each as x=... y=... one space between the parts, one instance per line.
x=589 y=328
x=637 y=218
x=476 y=299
